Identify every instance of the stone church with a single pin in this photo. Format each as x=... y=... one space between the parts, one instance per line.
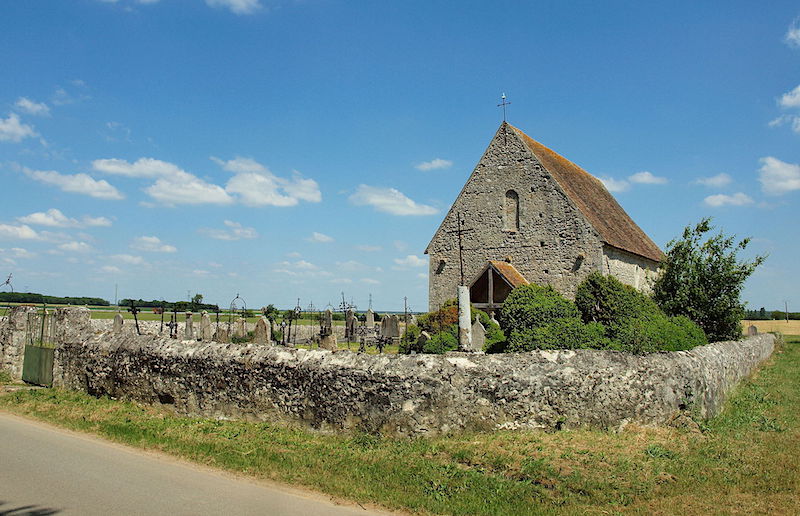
x=529 y=215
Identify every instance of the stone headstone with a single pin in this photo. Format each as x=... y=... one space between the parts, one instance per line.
x=261 y=334
x=478 y=336
x=326 y=327
x=423 y=339
x=349 y=324
x=328 y=342
x=240 y=327
x=370 y=318
x=384 y=325
x=222 y=335
x=188 y=332
x=205 y=327
x=117 y=326
x=752 y=330
x=394 y=326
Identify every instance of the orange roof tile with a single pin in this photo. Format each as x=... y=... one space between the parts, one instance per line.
x=509 y=273
x=616 y=228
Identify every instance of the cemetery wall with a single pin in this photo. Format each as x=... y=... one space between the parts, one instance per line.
x=405 y=394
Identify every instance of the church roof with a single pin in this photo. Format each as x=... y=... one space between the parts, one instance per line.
x=509 y=273
x=616 y=228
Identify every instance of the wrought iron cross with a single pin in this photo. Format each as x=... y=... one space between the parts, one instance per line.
x=460 y=231
x=504 y=104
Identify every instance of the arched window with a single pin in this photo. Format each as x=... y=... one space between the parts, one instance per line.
x=511 y=211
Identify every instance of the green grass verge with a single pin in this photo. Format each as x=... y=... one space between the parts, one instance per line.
x=745 y=461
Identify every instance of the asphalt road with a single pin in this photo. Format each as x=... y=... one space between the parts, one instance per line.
x=44 y=471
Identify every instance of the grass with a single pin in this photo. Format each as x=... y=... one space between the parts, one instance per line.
x=745 y=461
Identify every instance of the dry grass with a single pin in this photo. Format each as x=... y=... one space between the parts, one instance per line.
x=786 y=327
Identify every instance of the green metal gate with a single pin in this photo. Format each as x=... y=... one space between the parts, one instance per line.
x=37 y=367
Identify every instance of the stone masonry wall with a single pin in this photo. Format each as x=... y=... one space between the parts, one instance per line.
x=629 y=268
x=408 y=394
x=552 y=231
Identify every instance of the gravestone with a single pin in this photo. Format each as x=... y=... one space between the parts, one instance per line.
x=370 y=318
x=752 y=330
x=349 y=325
x=478 y=336
x=221 y=335
x=117 y=327
x=423 y=339
x=205 y=327
x=464 y=318
x=188 y=333
x=326 y=326
x=240 y=329
x=384 y=325
x=328 y=342
x=392 y=327
x=261 y=334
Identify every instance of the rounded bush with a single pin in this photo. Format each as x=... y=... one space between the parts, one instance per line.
x=531 y=306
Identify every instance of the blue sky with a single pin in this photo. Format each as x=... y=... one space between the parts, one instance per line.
x=298 y=149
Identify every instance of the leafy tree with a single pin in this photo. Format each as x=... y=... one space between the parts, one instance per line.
x=703 y=280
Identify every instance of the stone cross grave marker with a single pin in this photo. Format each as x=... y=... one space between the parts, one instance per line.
x=326 y=326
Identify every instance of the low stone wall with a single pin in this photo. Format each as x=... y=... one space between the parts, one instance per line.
x=408 y=394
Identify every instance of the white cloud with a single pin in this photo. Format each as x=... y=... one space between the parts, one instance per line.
x=257 y=186
x=30 y=107
x=110 y=269
x=717 y=181
x=792 y=37
x=400 y=245
x=389 y=200
x=411 y=261
x=422 y=275
x=614 y=185
x=792 y=120
x=18 y=252
x=235 y=231
x=23 y=232
x=12 y=130
x=647 y=178
x=200 y=272
x=370 y=281
x=719 y=200
x=237 y=6
x=76 y=247
x=320 y=238
x=128 y=259
x=305 y=266
x=778 y=177
x=369 y=248
x=341 y=280
x=294 y=254
x=151 y=244
x=173 y=184
x=77 y=183
x=54 y=218
x=434 y=164
x=791 y=99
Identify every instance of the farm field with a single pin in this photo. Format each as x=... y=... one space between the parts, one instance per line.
x=786 y=327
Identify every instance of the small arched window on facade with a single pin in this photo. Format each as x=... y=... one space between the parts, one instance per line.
x=511 y=211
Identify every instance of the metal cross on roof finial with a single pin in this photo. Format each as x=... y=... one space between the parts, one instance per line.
x=504 y=104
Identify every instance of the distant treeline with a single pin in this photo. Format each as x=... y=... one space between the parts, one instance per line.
x=169 y=306
x=769 y=315
x=38 y=299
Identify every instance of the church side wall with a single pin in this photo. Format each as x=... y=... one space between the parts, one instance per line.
x=633 y=270
x=554 y=245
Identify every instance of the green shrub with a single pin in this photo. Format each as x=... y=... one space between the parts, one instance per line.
x=409 y=341
x=495 y=338
x=564 y=333
x=531 y=306
x=606 y=300
x=441 y=342
x=659 y=333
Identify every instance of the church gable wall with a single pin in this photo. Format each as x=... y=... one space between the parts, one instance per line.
x=554 y=244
